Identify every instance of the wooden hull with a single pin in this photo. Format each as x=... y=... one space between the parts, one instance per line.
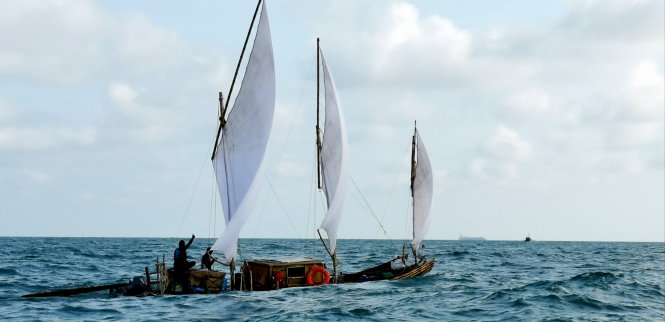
x=386 y=272
x=420 y=270
x=265 y=275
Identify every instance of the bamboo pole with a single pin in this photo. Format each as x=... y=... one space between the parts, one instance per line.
x=75 y=291
x=318 y=128
x=235 y=76
x=413 y=179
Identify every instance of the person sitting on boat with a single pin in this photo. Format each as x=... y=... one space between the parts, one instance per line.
x=207 y=260
x=180 y=263
x=399 y=262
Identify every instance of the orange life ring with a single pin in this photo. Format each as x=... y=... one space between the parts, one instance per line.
x=316 y=269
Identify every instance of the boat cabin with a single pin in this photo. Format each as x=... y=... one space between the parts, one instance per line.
x=192 y=281
x=272 y=274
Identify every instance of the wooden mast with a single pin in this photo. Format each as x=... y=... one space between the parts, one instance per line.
x=413 y=178
x=318 y=129
x=224 y=107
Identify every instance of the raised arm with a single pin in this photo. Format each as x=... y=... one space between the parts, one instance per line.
x=190 y=241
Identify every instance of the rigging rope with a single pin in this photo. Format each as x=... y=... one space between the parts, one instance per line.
x=212 y=205
x=392 y=190
x=282 y=206
x=191 y=197
x=311 y=209
x=371 y=211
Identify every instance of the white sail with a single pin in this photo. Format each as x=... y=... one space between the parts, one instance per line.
x=334 y=159
x=241 y=149
x=422 y=193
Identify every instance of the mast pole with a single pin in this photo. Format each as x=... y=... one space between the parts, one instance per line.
x=333 y=256
x=232 y=269
x=318 y=129
x=222 y=120
x=413 y=178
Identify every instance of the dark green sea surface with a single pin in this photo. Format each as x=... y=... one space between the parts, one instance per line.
x=472 y=280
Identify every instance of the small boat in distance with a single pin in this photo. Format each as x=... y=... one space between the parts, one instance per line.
x=527 y=239
x=463 y=238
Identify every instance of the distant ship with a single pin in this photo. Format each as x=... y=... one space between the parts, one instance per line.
x=527 y=239
x=462 y=237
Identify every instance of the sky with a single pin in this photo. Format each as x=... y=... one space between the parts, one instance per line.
x=541 y=118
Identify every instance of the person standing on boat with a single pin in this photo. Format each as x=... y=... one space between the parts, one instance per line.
x=180 y=263
x=207 y=260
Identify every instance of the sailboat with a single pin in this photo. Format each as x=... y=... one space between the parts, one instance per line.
x=421 y=194
x=238 y=155
x=332 y=158
x=237 y=159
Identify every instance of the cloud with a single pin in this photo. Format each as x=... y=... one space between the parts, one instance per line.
x=17 y=139
x=532 y=100
x=508 y=145
x=140 y=122
x=72 y=41
x=122 y=95
x=403 y=47
x=584 y=89
x=36 y=176
x=6 y=110
x=645 y=93
x=502 y=156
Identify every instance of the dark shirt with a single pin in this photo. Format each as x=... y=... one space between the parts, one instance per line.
x=180 y=256
x=207 y=261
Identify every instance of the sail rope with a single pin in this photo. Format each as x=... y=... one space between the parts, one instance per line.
x=392 y=189
x=261 y=213
x=282 y=150
x=311 y=211
x=369 y=209
x=281 y=205
x=191 y=197
x=212 y=207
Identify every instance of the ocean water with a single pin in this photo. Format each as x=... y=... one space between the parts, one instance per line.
x=472 y=280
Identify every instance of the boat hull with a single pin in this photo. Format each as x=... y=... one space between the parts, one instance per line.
x=386 y=272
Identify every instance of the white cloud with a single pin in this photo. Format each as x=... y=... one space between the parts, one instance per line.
x=71 y=41
x=507 y=144
x=402 y=46
x=12 y=138
x=6 y=111
x=36 y=176
x=531 y=101
x=498 y=171
x=140 y=122
x=645 y=92
x=122 y=94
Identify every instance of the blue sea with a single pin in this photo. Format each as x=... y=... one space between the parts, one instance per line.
x=472 y=280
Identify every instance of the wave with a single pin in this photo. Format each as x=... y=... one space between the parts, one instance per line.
x=8 y=271
x=596 y=276
x=460 y=253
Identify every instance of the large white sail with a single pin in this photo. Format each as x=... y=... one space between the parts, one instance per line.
x=422 y=193
x=241 y=149
x=334 y=159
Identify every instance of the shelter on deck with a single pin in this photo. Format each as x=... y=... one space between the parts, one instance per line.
x=271 y=274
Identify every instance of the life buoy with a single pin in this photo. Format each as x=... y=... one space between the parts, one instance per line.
x=316 y=269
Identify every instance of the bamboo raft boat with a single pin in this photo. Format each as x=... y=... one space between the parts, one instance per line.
x=237 y=157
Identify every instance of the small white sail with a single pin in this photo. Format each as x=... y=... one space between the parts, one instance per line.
x=334 y=159
x=422 y=193
x=239 y=155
